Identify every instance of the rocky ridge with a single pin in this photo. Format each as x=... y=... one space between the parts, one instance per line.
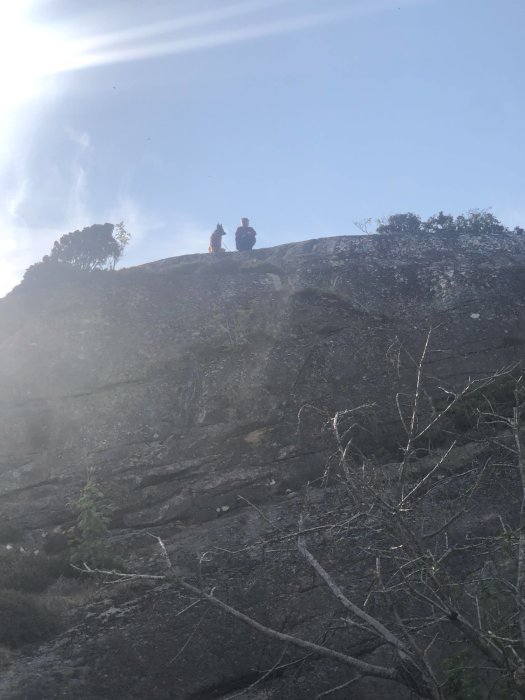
x=198 y=389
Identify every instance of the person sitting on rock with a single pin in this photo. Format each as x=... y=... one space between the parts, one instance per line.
x=245 y=236
x=216 y=240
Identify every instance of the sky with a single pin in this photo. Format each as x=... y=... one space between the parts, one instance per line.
x=303 y=115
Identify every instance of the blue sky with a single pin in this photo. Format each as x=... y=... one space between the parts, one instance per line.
x=304 y=115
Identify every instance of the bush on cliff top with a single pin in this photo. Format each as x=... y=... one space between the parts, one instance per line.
x=93 y=248
x=476 y=222
x=97 y=247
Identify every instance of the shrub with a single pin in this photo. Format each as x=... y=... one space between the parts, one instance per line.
x=475 y=222
x=97 y=247
x=90 y=249
x=462 y=683
x=55 y=543
x=47 y=271
x=24 y=620
x=465 y=413
x=89 y=543
x=401 y=223
x=32 y=573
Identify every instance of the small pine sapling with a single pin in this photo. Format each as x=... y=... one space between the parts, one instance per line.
x=89 y=536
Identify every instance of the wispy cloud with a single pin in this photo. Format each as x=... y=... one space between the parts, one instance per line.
x=140 y=223
x=77 y=205
x=183 y=235
x=20 y=247
x=169 y=26
x=22 y=243
x=68 y=184
x=172 y=37
x=155 y=239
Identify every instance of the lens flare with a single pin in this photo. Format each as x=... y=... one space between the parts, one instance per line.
x=27 y=53
x=30 y=51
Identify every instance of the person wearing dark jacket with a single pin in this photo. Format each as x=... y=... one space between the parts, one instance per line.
x=245 y=236
x=216 y=240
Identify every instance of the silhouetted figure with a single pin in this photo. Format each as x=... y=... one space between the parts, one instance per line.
x=245 y=236
x=216 y=240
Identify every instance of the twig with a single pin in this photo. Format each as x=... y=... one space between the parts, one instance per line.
x=263 y=516
x=85 y=569
x=427 y=476
x=348 y=604
x=192 y=634
x=413 y=418
x=265 y=675
x=339 y=687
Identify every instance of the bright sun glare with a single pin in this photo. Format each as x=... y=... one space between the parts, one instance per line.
x=28 y=52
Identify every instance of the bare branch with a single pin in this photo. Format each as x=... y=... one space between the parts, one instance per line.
x=373 y=624
x=338 y=687
x=413 y=419
x=190 y=637
x=365 y=668
x=418 y=486
x=263 y=677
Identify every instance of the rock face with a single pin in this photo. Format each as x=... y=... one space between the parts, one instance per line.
x=198 y=389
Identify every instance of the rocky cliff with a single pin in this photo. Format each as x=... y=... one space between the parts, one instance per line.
x=198 y=389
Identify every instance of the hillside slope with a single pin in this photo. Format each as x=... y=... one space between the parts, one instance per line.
x=199 y=390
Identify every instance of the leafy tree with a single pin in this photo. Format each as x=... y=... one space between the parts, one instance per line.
x=479 y=221
x=122 y=236
x=439 y=223
x=47 y=271
x=97 y=247
x=476 y=221
x=401 y=223
x=93 y=248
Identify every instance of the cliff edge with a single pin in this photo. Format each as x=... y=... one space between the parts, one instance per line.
x=198 y=389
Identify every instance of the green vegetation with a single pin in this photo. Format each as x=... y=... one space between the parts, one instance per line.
x=400 y=223
x=89 y=537
x=476 y=221
x=93 y=248
x=464 y=414
x=97 y=247
x=462 y=683
x=30 y=573
x=29 y=613
x=122 y=236
x=25 y=620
